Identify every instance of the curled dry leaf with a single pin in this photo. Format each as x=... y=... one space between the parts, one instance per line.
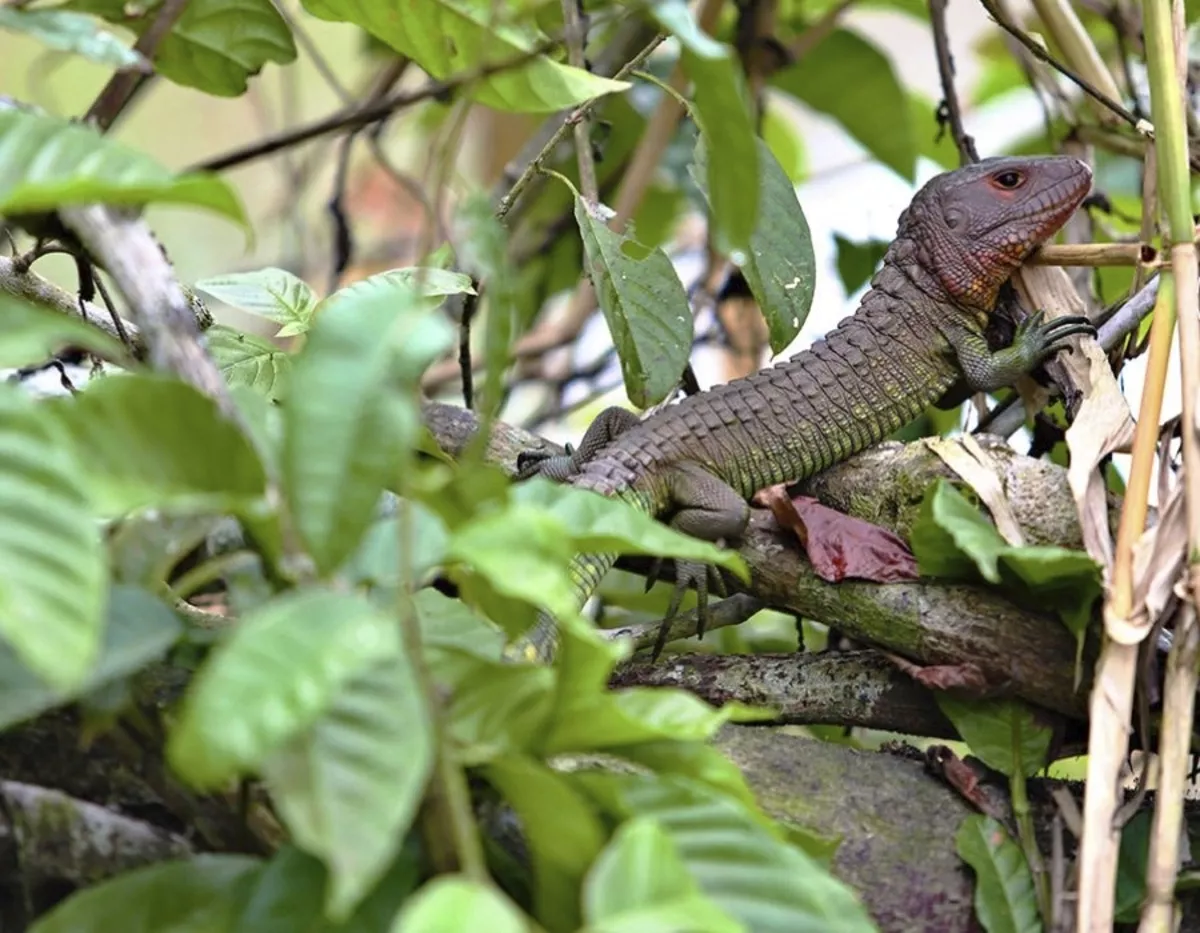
x=968 y=778
x=839 y=546
x=967 y=677
x=978 y=470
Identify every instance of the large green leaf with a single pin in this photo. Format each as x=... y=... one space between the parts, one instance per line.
x=741 y=866
x=151 y=440
x=351 y=421
x=562 y=829
x=779 y=266
x=348 y=787
x=640 y=883
x=52 y=589
x=857 y=262
x=851 y=80
x=459 y=37
x=71 y=32
x=726 y=128
x=274 y=676
x=31 y=333
x=214 y=46
x=290 y=892
x=1003 y=733
x=453 y=902
x=952 y=539
x=1004 y=898
x=138 y=630
x=47 y=162
x=249 y=360
x=275 y=294
x=201 y=894
x=644 y=304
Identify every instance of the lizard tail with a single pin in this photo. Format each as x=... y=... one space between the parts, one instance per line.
x=540 y=643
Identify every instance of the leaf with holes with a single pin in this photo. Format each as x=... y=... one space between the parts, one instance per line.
x=348 y=787
x=52 y=590
x=644 y=304
x=448 y=38
x=214 y=46
x=272 y=293
x=251 y=361
x=352 y=419
x=779 y=265
x=1004 y=897
x=47 y=162
x=31 y=333
x=272 y=677
x=151 y=440
x=72 y=32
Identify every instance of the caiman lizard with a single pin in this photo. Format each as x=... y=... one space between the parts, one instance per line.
x=919 y=330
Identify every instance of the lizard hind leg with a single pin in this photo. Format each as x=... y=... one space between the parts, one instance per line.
x=560 y=467
x=706 y=507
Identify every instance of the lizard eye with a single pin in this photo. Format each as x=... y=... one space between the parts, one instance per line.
x=1008 y=180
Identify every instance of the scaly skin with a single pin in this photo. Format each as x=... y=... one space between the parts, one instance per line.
x=917 y=332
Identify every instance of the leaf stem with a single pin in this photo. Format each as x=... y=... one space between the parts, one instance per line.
x=447 y=821
x=1025 y=831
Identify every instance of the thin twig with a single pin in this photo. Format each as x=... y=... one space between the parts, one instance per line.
x=1042 y=55
x=370 y=113
x=952 y=113
x=575 y=35
x=122 y=86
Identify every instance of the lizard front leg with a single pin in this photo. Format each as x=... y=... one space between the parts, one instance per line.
x=705 y=507
x=560 y=467
x=1034 y=342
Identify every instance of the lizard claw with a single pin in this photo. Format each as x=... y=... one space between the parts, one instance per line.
x=1045 y=339
x=543 y=463
x=687 y=573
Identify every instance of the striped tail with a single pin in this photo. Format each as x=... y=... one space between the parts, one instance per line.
x=540 y=643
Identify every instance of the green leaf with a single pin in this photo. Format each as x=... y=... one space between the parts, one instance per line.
x=214 y=46
x=31 y=333
x=785 y=141
x=349 y=786
x=449 y=38
x=601 y=523
x=272 y=293
x=52 y=591
x=561 y=828
x=726 y=128
x=779 y=267
x=850 y=80
x=72 y=32
x=1004 y=898
x=289 y=896
x=448 y=623
x=351 y=421
x=275 y=675
x=644 y=305
x=47 y=162
x=139 y=629
x=1132 y=862
x=857 y=262
x=951 y=539
x=378 y=561
x=249 y=360
x=201 y=893
x=588 y=716
x=639 y=881
x=151 y=440
x=1004 y=733
x=453 y=902
x=745 y=869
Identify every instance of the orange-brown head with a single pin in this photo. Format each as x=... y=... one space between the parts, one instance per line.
x=973 y=227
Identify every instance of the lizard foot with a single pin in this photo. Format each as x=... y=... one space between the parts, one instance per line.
x=1043 y=339
x=688 y=573
x=543 y=463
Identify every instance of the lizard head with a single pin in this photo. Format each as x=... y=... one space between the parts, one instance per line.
x=976 y=225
